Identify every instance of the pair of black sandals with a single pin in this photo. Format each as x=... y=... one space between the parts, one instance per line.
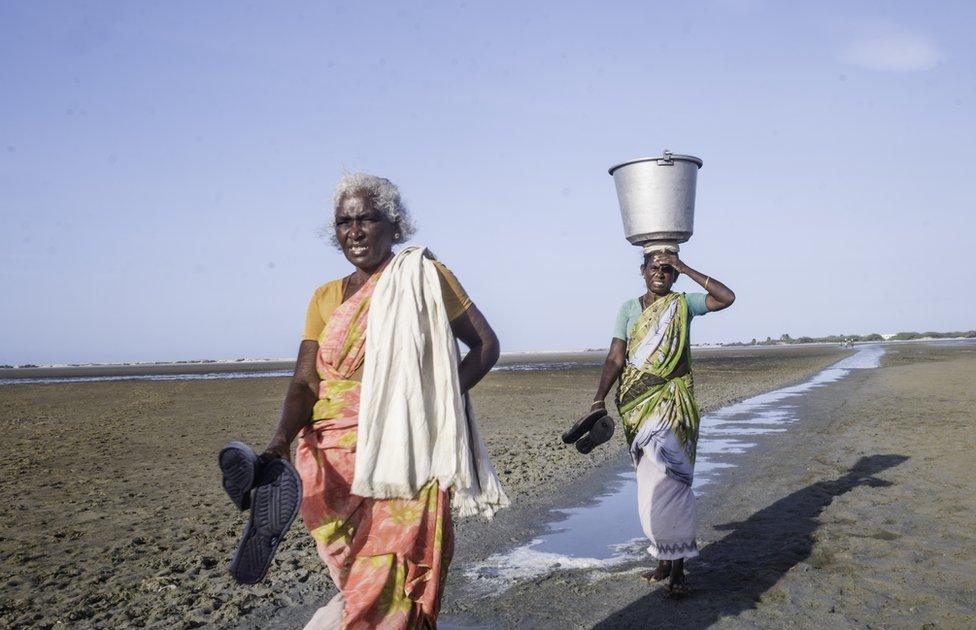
x=590 y=431
x=272 y=491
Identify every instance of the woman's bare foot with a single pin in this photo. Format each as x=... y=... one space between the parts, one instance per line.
x=662 y=571
x=677 y=586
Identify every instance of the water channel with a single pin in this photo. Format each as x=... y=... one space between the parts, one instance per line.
x=606 y=532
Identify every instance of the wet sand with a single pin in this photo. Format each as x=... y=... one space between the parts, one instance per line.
x=860 y=515
x=111 y=512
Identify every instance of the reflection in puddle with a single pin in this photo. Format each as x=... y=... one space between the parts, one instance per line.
x=584 y=536
x=607 y=532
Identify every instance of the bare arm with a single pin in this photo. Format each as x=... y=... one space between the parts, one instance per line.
x=612 y=368
x=473 y=329
x=296 y=412
x=719 y=296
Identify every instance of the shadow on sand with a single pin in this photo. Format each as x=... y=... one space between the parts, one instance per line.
x=732 y=573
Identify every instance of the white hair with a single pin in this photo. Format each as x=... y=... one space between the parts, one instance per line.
x=382 y=195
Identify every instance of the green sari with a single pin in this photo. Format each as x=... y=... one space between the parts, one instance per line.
x=659 y=412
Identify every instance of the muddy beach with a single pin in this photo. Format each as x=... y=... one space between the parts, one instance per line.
x=860 y=515
x=112 y=513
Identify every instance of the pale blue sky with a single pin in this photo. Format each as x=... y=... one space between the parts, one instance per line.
x=165 y=166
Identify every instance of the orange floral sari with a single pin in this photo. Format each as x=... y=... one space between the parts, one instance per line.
x=389 y=557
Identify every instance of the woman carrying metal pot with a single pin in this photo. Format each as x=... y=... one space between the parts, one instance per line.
x=650 y=356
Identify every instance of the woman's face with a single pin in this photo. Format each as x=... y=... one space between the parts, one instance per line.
x=658 y=276
x=364 y=233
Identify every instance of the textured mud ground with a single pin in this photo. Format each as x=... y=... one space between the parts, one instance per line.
x=861 y=515
x=111 y=512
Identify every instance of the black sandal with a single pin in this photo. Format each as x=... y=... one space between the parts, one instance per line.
x=275 y=503
x=583 y=425
x=239 y=463
x=601 y=432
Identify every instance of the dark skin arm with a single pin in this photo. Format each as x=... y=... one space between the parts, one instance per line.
x=612 y=368
x=473 y=330
x=719 y=296
x=296 y=412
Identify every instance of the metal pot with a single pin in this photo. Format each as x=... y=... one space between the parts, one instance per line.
x=657 y=198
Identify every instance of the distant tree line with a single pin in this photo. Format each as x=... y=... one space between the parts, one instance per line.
x=902 y=336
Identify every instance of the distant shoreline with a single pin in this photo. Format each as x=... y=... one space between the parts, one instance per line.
x=507 y=360
x=144 y=369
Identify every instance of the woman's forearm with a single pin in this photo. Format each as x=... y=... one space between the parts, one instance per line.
x=300 y=398
x=716 y=289
x=612 y=368
x=477 y=363
x=483 y=348
x=611 y=372
x=295 y=414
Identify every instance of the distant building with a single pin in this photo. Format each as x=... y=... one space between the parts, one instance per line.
x=888 y=336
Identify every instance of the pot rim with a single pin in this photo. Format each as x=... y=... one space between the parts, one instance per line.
x=672 y=156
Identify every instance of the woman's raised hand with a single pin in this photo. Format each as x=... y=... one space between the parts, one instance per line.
x=670 y=258
x=719 y=296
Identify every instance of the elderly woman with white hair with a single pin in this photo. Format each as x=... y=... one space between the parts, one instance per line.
x=387 y=439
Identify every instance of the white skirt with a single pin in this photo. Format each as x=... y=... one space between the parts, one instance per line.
x=667 y=511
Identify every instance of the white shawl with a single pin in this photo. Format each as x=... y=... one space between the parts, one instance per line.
x=414 y=424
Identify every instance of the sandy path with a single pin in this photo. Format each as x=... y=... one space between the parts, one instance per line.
x=861 y=515
x=111 y=512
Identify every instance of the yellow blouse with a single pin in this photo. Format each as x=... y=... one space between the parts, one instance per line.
x=328 y=297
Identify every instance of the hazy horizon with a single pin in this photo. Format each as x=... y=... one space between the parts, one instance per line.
x=166 y=167
x=504 y=354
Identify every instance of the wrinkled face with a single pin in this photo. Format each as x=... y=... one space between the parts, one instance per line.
x=658 y=277
x=364 y=233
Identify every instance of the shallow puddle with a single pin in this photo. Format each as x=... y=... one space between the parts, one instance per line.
x=606 y=532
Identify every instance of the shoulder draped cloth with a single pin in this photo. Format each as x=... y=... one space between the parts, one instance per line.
x=414 y=423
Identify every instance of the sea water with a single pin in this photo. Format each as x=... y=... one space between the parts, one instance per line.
x=210 y=376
